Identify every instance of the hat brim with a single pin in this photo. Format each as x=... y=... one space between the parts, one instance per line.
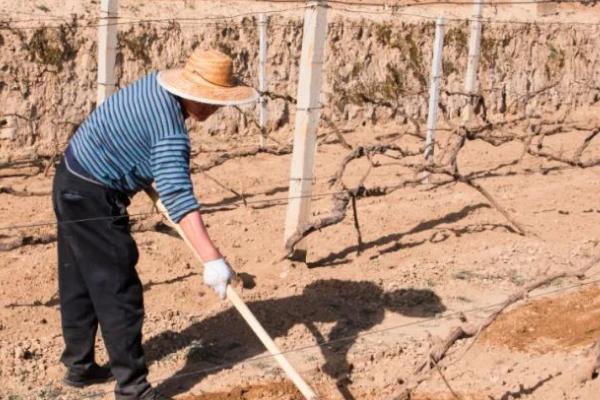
x=174 y=82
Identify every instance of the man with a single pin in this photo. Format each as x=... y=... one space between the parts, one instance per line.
x=136 y=137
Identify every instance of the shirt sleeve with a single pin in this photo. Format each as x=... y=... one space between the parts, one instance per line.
x=170 y=167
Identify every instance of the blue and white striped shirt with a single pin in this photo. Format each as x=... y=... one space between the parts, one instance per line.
x=135 y=137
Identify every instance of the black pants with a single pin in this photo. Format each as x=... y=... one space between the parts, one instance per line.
x=98 y=283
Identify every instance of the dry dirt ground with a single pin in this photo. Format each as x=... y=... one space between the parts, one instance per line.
x=427 y=256
x=431 y=258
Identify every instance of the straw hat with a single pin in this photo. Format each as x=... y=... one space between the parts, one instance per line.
x=207 y=77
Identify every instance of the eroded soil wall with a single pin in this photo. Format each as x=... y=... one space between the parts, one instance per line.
x=374 y=72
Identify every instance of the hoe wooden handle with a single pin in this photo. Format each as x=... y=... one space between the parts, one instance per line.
x=245 y=312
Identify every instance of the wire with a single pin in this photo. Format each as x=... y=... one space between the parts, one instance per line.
x=471 y=19
x=168 y=23
x=196 y=22
x=155 y=20
x=393 y=12
x=356 y=336
x=145 y=214
x=386 y=5
x=94 y=219
x=428 y=3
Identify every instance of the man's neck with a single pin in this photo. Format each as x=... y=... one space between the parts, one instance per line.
x=184 y=111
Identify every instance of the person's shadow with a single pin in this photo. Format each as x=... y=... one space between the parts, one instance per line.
x=223 y=340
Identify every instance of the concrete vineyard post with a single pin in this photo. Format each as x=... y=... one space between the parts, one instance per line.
x=307 y=119
x=434 y=90
x=262 y=76
x=107 y=48
x=473 y=60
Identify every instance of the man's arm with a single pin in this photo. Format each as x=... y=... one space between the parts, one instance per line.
x=195 y=231
x=217 y=272
x=170 y=165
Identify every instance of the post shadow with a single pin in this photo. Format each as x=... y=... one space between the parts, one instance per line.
x=222 y=340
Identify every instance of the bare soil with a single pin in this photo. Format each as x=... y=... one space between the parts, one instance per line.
x=287 y=391
x=427 y=254
x=267 y=391
x=553 y=324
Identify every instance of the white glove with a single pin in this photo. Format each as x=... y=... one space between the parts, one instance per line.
x=217 y=274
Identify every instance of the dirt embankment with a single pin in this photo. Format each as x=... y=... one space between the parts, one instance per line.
x=374 y=71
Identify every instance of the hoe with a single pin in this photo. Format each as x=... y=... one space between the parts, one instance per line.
x=243 y=309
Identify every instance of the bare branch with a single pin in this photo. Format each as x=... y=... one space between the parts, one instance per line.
x=467 y=331
x=240 y=153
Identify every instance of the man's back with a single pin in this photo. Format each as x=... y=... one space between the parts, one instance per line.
x=137 y=136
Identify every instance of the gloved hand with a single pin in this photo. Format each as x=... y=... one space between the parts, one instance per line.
x=217 y=274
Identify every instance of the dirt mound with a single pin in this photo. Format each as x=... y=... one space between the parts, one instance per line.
x=287 y=391
x=283 y=391
x=447 y=396
x=546 y=325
